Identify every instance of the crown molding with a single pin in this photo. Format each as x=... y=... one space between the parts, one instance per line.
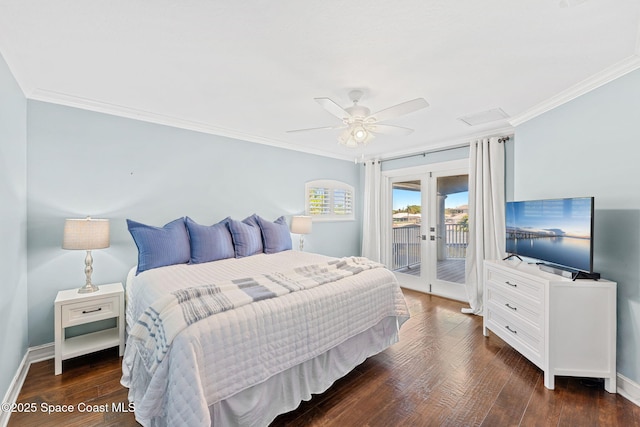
x=58 y=98
x=607 y=75
x=19 y=74
x=446 y=144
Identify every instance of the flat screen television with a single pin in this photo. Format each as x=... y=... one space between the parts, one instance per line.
x=555 y=231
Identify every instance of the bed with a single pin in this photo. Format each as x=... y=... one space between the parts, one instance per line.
x=248 y=364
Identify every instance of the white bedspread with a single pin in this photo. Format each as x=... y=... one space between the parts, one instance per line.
x=231 y=351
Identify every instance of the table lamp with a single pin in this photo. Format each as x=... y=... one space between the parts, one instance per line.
x=301 y=225
x=86 y=234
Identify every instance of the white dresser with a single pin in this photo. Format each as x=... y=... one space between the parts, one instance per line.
x=564 y=327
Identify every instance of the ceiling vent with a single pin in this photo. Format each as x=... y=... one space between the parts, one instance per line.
x=484 y=117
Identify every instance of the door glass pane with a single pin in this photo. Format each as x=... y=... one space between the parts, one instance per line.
x=453 y=227
x=407 y=220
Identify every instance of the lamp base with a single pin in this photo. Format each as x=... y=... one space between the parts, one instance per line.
x=88 y=288
x=88 y=269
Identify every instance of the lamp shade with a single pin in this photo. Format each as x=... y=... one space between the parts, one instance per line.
x=86 y=234
x=301 y=224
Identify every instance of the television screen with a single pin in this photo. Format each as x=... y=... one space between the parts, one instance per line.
x=557 y=231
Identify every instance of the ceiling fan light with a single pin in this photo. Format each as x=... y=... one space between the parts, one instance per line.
x=360 y=134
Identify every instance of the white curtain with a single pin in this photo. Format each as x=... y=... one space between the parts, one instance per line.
x=371 y=224
x=486 y=215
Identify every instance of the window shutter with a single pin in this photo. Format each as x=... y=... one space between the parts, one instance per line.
x=319 y=201
x=329 y=200
x=342 y=201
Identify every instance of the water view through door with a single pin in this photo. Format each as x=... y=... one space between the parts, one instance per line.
x=430 y=227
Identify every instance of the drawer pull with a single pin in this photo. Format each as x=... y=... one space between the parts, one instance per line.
x=511 y=284
x=91 y=311
x=511 y=307
x=511 y=330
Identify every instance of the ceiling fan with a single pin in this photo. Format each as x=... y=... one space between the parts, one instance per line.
x=360 y=125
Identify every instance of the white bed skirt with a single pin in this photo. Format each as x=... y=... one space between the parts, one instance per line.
x=260 y=404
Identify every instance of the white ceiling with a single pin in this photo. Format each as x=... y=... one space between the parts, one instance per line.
x=250 y=69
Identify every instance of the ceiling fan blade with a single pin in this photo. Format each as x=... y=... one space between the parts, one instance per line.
x=400 y=109
x=390 y=129
x=320 y=128
x=333 y=108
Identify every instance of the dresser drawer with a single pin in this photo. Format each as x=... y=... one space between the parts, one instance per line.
x=515 y=305
x=82 y=312
x=525 y=338
x=518 y=286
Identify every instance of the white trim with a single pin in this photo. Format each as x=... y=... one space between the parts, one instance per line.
x=14 y=388
x=41 y=352
x=628 y=389
x=331 y=185
x=607 y=75
x=19 y=73
x=53 y=97
x=449 y=143
x=59 y=98
x=411 y=173
x=33 y=355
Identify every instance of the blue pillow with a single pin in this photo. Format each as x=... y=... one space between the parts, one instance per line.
x=209 y=243
x=275 y=235
x=160 y=246
x=247 y=236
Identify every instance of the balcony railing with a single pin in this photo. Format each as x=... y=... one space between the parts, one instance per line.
x=407 y=248
x=456 y=237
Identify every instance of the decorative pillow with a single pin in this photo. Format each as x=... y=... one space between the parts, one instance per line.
x=275 y=235
x=160 y=246
x=247 y=237
x=209 y=243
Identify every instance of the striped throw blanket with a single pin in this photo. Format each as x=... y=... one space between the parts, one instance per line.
x=163 y=320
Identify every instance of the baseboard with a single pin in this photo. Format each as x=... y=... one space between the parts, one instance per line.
x=33 y=355
x=628 y=389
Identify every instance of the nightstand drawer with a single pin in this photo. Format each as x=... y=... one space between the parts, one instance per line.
x=90 y=311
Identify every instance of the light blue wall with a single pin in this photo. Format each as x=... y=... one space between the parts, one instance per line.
x=427 y=159
x=13 y=224
x=86 y=163
x=591 y=147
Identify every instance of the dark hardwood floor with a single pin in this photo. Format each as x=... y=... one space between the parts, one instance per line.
x=443 y=372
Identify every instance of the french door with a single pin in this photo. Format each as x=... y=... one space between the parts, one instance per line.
x=426 y=216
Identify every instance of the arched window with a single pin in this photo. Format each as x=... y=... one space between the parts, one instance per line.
x=329 y=200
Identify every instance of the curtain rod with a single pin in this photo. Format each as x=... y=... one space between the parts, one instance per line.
x=424 y=153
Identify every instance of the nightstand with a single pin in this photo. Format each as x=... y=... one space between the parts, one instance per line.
x=73 y=309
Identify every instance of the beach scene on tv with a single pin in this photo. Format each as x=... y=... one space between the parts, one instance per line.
x=554 y=231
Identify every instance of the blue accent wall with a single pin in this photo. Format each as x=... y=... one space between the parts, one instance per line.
x=13 y=224
x=88 y=163
x=590 y=146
